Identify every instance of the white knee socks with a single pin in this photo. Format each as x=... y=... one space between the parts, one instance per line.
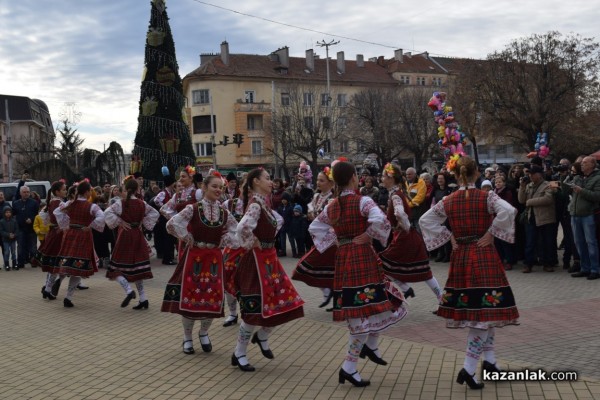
x=244 y=335
x=139 y=285
x=355 y=344
x=435 y=288
x=372 y=343
x=203 y=334
x=50 y=279
x=488 y=347
x=73 y=282
x=124 y=284
x=475 y=341
x=232 y=303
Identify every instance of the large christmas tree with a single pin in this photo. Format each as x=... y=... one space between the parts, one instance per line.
x=162 y=137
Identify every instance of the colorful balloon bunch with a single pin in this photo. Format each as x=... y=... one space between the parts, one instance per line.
x=541 y=146
x=451 y=139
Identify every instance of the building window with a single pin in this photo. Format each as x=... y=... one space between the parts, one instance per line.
x=341 y=123
x=420 y=81
x=249 y=96
x=308 y=123
x=361 y=146
x=200 y=96
x=308 y=99
x=201 y=123
x=436 y=81
x=405 y=79
x=341 y=100
x=324 y=99
x=203 y=149
x=285 y=99
x=344 y=146
x=326 y=123
x=255 y=122
x=257 y=147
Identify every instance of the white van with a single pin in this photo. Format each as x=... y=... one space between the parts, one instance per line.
x=10 y=189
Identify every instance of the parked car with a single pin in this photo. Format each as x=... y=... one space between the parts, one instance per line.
x=10 y=189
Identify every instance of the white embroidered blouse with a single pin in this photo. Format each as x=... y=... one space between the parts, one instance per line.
x=324 y=235
x=63 y=220
x=188 y=193
x=436 y=234
x=113 y=215
x=399 y=212
x=245 y=229
x=177 y=226
x=317 y=204
x=45 y=215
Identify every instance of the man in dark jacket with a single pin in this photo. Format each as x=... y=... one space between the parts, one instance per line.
x=25 y=210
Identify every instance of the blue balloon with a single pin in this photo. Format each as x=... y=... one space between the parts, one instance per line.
x=165 y=170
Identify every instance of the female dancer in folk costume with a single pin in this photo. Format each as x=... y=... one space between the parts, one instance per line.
x=315 y=268
x=130 y=259
x=47 y=255
x=266 y=294
x=231 y=261
x=477 y=295
x=77 y=256
x=196 y=289
x=405 y=259
x=359 y=295
x=187 y=195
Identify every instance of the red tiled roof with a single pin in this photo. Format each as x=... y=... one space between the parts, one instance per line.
x=416 y=63
x=261 y=66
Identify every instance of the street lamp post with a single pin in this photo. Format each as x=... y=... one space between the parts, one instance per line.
x=325 y=44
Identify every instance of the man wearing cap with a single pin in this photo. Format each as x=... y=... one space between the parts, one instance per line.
x=585 y=201
x=538 y=198
x=166 y=241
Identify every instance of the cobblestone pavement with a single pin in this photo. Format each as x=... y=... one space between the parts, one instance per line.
x=98 y=350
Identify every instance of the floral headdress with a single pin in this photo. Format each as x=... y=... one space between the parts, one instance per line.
x=128 y=177
x=328 y=172
x=389 y=170
x=189 y=170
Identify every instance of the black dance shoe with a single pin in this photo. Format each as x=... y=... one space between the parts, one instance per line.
x=346 y=376
x=82 y=287
x=141 y=304
x=267 y=353
x=189 y=350
x=56 y=287
x=68 y=303
x=235 y=361
x=464 y=376
x=489 y=367
x=327 y=300
x=207 y=348
x=409 y=293
x=367 y=352
x=127 y=299
x=47 y=295
x=232 y=321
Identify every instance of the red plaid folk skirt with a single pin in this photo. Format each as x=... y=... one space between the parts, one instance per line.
x=358 y=284
x=77 y=255
x=175 y=292
x=130 y=257
x=406 y=258
x=231 y=260
x=47 y=255
x=477 y=293
x=316 y=269
x=251 y=295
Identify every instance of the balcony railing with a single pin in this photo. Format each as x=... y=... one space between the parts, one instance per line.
x=252 y=107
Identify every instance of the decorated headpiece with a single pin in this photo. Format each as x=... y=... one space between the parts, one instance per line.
x=328 y=172
x=189 y=170
x=389 y=170
x=128 y=177
x=451 y=139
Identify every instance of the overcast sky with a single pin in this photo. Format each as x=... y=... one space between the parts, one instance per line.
x=91 y=52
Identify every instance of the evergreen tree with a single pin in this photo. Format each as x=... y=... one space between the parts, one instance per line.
x=162 y=137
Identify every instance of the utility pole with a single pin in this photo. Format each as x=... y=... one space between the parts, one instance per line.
x=325 y=44
x=212 y=134
x=275 y=140
x=9 y=142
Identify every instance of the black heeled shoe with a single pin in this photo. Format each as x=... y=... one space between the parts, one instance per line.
x=231 y=322
x=207 y=348
x=68 y=303
x=47 y=295
x=409 y=293
x=189 y=350
x=327 y=300
x=141 y=304
x=127 y=299
x=367 y=352
x=489 y=367
x=235 y=361
x=344 y=376
x=56 y=287
x=464 y=376
x=267 y=353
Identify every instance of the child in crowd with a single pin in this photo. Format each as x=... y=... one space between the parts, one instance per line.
x=285 y=209
x=40 y=228
x=297 y=231
x=9 y=229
